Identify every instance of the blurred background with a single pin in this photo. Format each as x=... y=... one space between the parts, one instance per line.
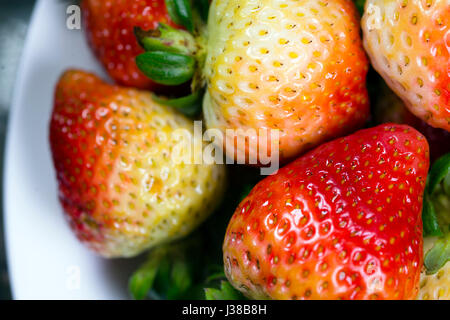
x=14 y=20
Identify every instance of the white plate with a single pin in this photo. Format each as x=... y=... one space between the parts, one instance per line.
x=45 y=260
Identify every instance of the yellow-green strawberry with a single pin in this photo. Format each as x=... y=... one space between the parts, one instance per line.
x=293 y=65
x=408 y=42
x=119 y=183
x=435 y=286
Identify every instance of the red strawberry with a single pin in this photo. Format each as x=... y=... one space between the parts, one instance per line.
x=118 y=184
x=109 y=26
x=342 y=222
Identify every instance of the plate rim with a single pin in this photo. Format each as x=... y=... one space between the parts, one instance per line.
x=12 y=118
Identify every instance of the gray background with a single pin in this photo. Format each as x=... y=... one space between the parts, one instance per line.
x=14 y=20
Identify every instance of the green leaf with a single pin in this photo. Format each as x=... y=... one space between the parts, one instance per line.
x=167 y=39
x=141 y=282
x=446 y=185
x=180 y=12
x=438 y=256
x=226 y=292
x=142 y=279
x=166 y=68
x=189 y=105
x=436 y=214
x=178 y=271
x=203 y=8
x=163 y=280
x=430 y=222
x=216 y=276
x=181 y=277
x=439 y=172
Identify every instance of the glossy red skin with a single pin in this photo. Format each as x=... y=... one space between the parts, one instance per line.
x=109 y=26
x=75 y=149
x=338 y=223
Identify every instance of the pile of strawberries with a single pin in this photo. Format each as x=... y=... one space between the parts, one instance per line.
x=346 y=215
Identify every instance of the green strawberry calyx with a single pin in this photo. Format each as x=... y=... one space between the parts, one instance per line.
x=436 y=214
x=190 y=105
x=177 y=270
x=166 y=39
x=180 y=12
x=225 y=292
x=174 y=56
x=167 y=273
x=184 y=14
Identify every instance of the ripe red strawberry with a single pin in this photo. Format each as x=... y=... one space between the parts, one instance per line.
x=342 y=222
x=109 y=26
x=390 y=108
x=119 y=185
x=408 y=42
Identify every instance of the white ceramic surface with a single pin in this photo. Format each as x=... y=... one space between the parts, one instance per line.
x=45 y=260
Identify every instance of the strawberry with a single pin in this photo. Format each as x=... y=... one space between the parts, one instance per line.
x=341 y=222
x=435 y=286
x=390 y=108
x=109 y=26
x=408 y=44
x=118 y=184
x=296 y=66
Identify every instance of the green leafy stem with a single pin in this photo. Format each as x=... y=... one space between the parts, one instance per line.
x=179 y=271
x=436 y=214
x=174 y=56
